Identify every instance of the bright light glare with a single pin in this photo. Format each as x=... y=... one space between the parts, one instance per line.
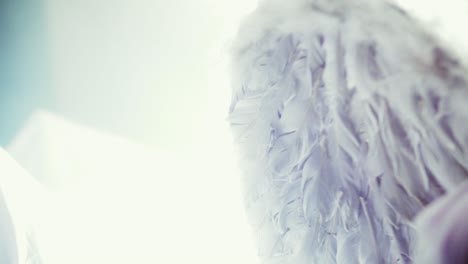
x=112 y=201
x=155 y=72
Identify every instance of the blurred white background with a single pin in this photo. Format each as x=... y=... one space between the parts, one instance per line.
x=147 y=70
x=146 y=171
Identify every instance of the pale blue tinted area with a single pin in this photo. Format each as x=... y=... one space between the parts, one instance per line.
x=24 y=74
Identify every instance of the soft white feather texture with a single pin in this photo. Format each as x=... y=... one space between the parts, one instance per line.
x=351 y=119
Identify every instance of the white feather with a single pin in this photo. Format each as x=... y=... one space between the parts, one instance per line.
x=352 y=119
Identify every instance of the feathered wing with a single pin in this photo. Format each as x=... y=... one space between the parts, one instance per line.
x=350 y=119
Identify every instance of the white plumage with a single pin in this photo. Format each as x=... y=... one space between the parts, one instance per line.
x=351 y=119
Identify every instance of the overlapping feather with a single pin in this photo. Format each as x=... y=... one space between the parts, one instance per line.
x=351 y=120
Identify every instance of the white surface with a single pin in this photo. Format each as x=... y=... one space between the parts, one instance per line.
x=25 y=200
x=115 y=202
x=154 y=72
x=146 y=70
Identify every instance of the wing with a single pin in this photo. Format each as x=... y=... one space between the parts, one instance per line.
x=351 y=119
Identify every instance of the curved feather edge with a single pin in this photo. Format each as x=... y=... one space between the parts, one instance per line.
x=351 y=120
